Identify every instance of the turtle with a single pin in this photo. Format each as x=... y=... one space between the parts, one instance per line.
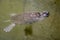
x=26 y=18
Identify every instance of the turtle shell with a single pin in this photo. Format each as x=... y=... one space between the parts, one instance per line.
x=25 y=18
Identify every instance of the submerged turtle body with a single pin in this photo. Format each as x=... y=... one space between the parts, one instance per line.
x=24 y=18
x=27 y=17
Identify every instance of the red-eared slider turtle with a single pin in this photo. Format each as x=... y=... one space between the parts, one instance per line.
x=26 y=18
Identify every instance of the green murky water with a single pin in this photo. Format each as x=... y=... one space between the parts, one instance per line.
x=49 y=29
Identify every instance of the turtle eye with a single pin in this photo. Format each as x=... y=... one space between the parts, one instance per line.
x=38 y=13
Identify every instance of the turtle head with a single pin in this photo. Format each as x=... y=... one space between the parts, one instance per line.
x=45 y=14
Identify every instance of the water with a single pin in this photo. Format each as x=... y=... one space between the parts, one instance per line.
x=46 y=30
x=30 y=6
